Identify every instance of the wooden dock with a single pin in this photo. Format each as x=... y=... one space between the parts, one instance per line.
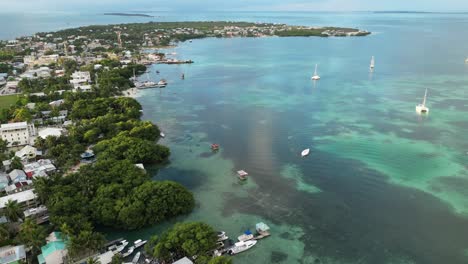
x=262 y=235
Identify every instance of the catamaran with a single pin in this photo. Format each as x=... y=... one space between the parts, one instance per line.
x=316 y=77
x=372 y=63
x=421 y=108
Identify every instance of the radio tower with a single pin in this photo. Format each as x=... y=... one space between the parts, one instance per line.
x=119 y=39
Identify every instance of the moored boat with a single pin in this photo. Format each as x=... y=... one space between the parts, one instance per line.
x=316 y=77
x=139 y=243
x=241 y=247
x=128 y=252
x=162 y=83
x=214 y=147
x=242 y=174
x=422 y=108
x=136 y=258
x=222 y=236
x=246 y=236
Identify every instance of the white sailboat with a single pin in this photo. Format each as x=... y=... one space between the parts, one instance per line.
x=372 y=63
x=316 y=77
x=305 y=152
x=421 y=108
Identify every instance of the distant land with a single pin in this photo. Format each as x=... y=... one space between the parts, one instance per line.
x=127 y=14
x=415 y=12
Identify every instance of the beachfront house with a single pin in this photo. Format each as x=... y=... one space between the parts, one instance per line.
x=55 y=251
x=12 y=255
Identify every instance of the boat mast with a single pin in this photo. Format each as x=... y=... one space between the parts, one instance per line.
x=315 y=73
x=425 y=95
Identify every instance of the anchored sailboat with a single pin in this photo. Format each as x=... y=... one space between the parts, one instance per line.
x=315 y=77
x=421 y=108
x=372 y=63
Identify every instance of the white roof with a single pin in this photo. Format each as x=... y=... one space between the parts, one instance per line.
x=26 y=151
x=184 y=260
x=106 y=258
x=54 y=132
x=15 y=125
x=19 y=197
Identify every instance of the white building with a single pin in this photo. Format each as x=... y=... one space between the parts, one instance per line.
x=50 y=132
x=80 y=78
x=26 y=199
x=20 y=133
x=12 y=254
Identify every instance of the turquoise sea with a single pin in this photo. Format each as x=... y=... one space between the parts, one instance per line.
x=381 y=185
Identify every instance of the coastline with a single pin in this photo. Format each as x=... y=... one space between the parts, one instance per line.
x=131 y=93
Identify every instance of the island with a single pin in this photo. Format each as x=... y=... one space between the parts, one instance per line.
x=127 y=14
x=74 y=146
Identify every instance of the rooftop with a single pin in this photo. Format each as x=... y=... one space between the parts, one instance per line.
x=19 y=197
x=12 y=254
x=19 y=125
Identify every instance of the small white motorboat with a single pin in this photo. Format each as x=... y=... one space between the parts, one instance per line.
x=136 y=258
x=246 y=236
x=241 y=247
x=128 y=252
x=162 y=134
x=305 y=152
x=139 y=243
x=222 y=236
x=162 y=83
x=422 y=108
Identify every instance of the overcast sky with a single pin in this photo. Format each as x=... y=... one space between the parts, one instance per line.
x=254 y=5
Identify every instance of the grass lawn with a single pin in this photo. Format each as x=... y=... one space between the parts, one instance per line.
x=7 y=100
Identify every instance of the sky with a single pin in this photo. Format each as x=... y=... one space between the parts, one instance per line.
x=238 y=5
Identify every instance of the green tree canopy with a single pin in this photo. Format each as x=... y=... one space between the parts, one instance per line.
x=133 y=149
x=185 y=239
x=221 y=260
x=13 y=211
x=33 y=236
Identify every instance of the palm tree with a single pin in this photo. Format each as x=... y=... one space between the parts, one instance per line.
x=93 y=261
x=13 y=211
x=4 y=233
x=32 y=235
